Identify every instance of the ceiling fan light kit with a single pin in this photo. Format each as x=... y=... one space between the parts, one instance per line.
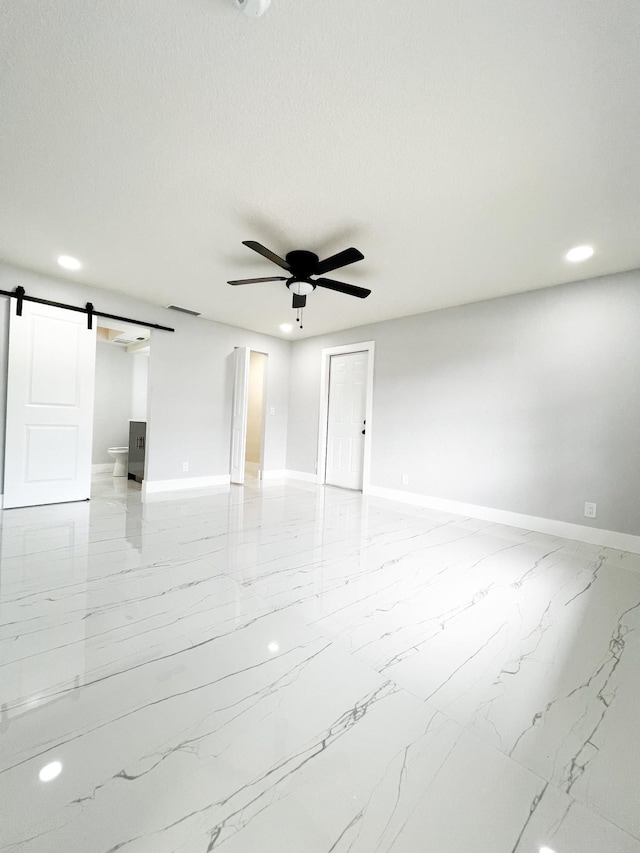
x=302 y=265
x=253 y=8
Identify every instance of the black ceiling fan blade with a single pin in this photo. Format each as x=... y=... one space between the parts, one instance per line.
x=256 y=280
x=267 y=253
x=342 y=259
x=341 y=287
x=299 y=301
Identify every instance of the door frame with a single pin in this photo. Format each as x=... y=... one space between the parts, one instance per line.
x=263 y=428
x=365 y=346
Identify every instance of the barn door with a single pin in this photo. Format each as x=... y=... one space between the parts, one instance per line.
x=50 y=388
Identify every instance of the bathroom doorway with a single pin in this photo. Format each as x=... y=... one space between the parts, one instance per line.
x=248 y=417
x=120 y=406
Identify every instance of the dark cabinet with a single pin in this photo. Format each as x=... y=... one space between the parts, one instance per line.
x=137 y=442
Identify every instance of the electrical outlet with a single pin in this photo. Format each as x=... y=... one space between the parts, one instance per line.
x=185 y=466
x=272 y=410
x=590 y=510
x=404 y=479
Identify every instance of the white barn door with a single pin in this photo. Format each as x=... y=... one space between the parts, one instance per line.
x=240 y=413
x=346 y=419
x=50 y=388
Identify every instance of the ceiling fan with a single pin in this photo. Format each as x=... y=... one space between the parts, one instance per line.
x=301 y=265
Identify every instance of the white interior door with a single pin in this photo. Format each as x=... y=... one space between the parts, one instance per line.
x=346 y=419
x=239 y=416
x=49 y=406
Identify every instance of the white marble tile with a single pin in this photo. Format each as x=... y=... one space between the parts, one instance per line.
x=298 y=750
x=288 y=668
x=95 y=626
x=565 y=825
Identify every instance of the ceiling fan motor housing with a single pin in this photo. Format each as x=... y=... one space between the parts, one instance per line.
x=302 y=263
x=253 y=8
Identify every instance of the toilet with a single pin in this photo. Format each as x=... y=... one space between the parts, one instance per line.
x=120 y=454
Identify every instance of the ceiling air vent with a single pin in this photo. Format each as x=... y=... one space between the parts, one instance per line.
x=184 y=310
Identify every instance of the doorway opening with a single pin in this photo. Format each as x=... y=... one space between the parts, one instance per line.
x=346 y=411
x=248 y=419
x=120 y=407
x=255 y=416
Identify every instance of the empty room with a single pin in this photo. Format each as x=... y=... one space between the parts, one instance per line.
x=319 y=426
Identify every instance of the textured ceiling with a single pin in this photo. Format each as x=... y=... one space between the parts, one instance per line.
x=462 y=146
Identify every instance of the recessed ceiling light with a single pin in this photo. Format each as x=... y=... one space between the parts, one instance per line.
x=273 y=648
x=69 y=263
x=285 y=327
x=579 y=253
x=546 y=850
x=50 y=771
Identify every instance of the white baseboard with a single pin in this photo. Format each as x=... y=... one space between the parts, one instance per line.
x=285 y=473
x=301 y=475
x=564 y=529
x=154 y=487
x=102 y=467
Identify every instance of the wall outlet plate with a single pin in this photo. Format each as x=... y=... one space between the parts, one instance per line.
x=404 y=479
x=589 y=510
x=185 y=466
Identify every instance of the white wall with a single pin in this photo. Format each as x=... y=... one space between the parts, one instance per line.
x=112 y=402
x=529 y=403
x=190 y=379
x=139 y=385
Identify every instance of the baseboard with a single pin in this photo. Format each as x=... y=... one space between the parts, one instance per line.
x=154 y=487
x=274 y=475
x=285 y=473
x=564 y=529
x=102 y=467
x=301 y=475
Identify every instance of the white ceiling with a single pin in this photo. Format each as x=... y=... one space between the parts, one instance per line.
x=462 y=145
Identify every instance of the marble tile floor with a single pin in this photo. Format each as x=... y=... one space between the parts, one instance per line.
x=293 y=669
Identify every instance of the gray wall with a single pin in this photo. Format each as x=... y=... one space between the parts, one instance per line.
x=190 y=379
x=529 y=403
x=112 y=401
